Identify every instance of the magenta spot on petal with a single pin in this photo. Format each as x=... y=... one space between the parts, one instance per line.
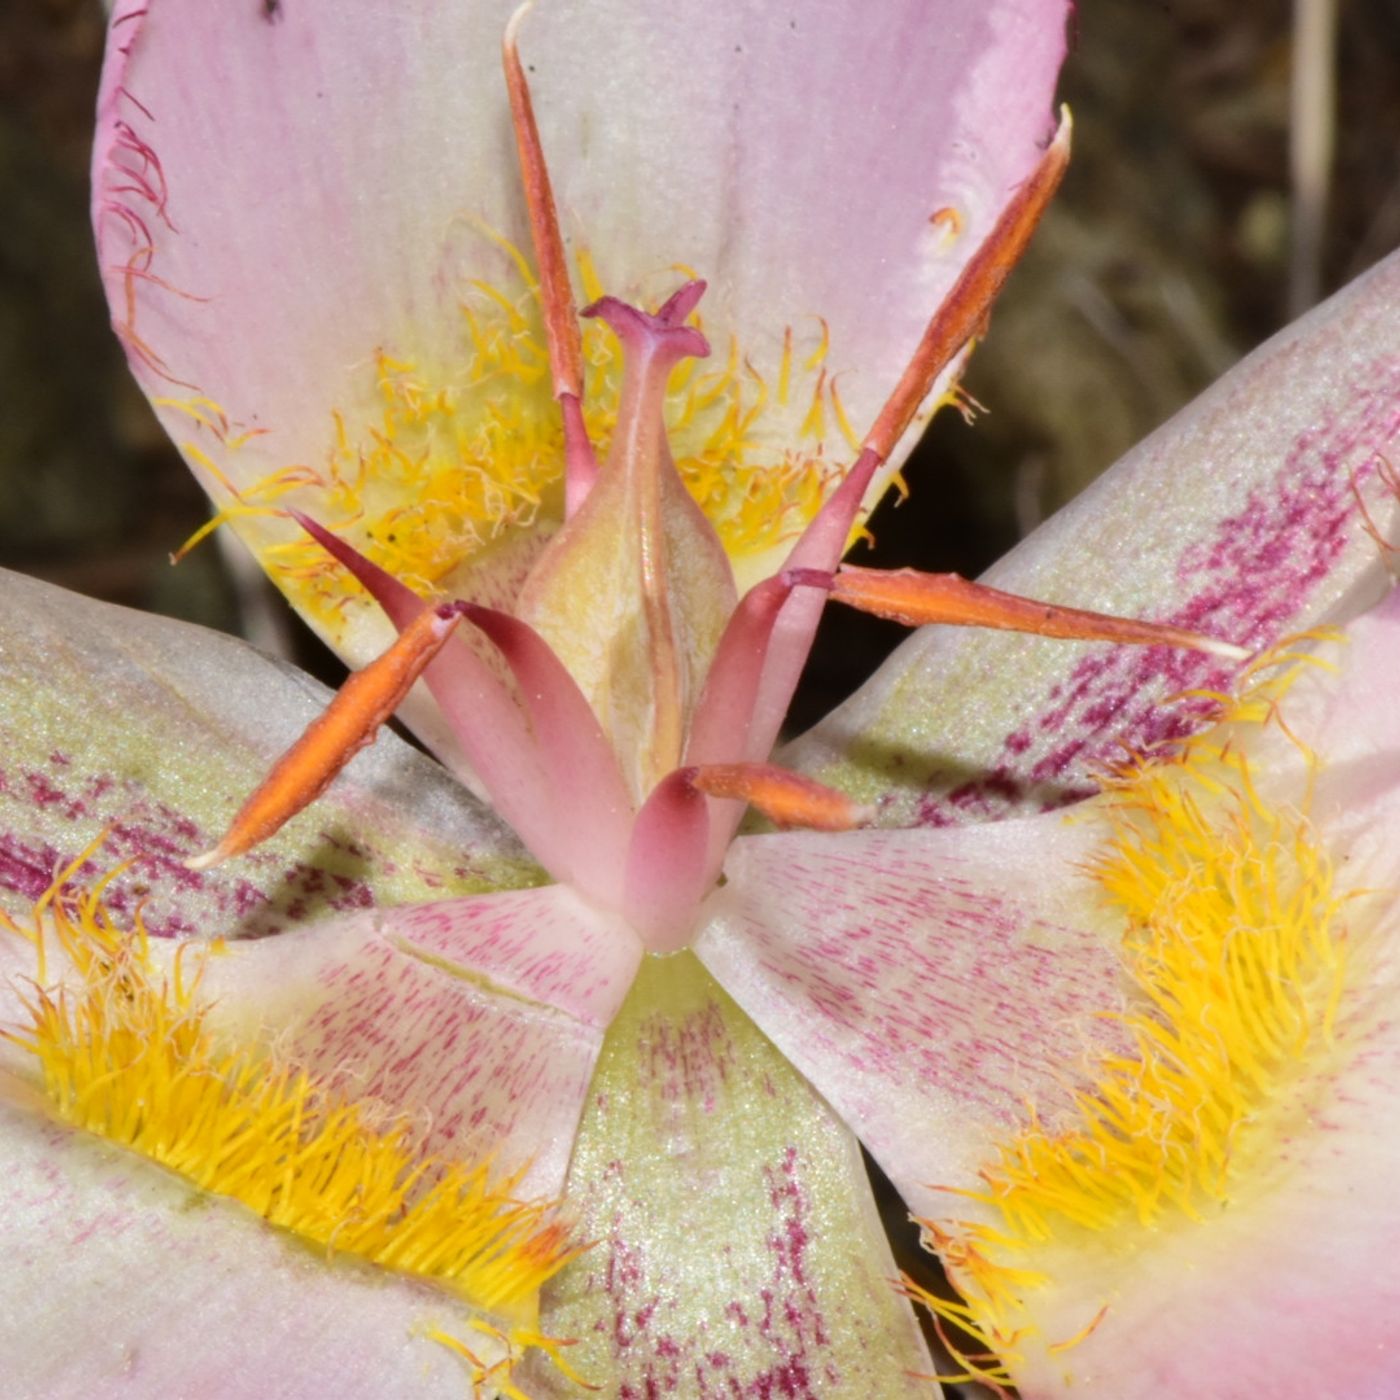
x=1249 y=582
x=63 y=808
x=889 y=1005
x=27 y=870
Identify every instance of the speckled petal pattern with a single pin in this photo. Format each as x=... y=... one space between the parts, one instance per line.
x=738 y=1249
x=156 y=731
x=1237 y=517
x=928 y=983
x=478 y=1020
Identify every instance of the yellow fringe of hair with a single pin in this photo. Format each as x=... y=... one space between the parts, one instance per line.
x=127 y=1054
x=1235 y=952
x=460 y=454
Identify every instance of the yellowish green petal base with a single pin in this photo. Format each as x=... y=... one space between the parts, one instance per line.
x=701 y=1141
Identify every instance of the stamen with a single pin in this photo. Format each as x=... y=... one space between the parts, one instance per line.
x=528 y=771
x=556 y=295
x=961 y=316
x=399 y=602
x=672 y=862
x=957 y=320
x=586 y=784
x=349 y=723
x=787 y=799
x=725 y=713
x=916 y=599
x=669 y=868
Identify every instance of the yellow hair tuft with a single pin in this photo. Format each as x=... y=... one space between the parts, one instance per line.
x=127 y=1052
x=459 y=456
x=1235 y=951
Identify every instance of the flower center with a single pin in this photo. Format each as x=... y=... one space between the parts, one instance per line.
x=449 y=460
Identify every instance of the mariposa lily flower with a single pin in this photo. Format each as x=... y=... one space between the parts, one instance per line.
x=732 y=1244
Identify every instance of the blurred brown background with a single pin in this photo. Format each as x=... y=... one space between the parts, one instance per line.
x=1164 y=258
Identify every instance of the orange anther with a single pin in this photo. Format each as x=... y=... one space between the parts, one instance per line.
x=786 y=799
x=561 y=325
x=349 y=723
x=556 y=295
x=914 y=598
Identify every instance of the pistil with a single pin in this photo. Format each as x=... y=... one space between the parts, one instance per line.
x=634 y=593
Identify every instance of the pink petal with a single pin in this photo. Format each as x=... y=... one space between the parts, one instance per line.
x=479 y=1020
x=1290 y=1287
x=738 y=1250
x=279 y=195
x=316 y=225
x=929 y=981
x=119 y=1282
x=1238 y=518
x=155 y=731
x=930 y=1000
x=920 y=980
